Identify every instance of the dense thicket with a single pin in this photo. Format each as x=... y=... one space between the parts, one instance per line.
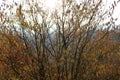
x=77 y=42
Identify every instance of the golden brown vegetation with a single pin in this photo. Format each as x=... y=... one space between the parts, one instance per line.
x=78 y=48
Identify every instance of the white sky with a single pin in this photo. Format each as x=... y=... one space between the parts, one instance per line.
x=116 y=11
x=51 y=4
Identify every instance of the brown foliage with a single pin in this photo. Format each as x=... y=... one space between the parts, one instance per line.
x=77 y=48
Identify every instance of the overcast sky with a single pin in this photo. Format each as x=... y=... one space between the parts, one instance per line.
x=107 y=2
x=116 y=11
